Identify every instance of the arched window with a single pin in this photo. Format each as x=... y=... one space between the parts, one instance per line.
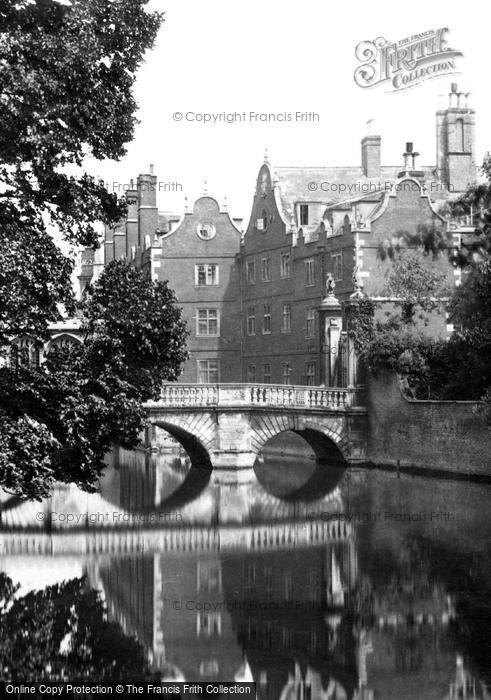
x=63 y=341
x=346 y=224
x=25 y=352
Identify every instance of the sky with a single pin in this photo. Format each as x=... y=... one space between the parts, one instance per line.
x=275 y=57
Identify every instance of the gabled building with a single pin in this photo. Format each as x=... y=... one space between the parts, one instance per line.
x=255 y=303
x=196 y=253
x=308 y=224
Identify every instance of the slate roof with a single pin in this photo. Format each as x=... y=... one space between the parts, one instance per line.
x=294 y=183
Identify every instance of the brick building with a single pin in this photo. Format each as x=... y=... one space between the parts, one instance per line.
x=253 y=303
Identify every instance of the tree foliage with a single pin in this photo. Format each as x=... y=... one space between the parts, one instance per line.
x=67 y=72
x=476 y=201
x=62 y=632
x=87 y=396
x=415 y=284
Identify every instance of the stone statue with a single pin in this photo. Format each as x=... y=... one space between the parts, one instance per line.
x=357 y=281
x=330 y=284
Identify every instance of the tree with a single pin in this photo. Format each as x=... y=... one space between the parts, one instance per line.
x=414 y=285
x=60 y=419
x=67 y=71
x=62 y=632
x=476 y=201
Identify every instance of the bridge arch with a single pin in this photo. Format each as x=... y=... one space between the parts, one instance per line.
x=195 y=444
x=327 y=437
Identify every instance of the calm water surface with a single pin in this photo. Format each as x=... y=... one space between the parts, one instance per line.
x=312 y=580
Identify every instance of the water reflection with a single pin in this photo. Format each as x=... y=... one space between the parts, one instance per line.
x=316 y=582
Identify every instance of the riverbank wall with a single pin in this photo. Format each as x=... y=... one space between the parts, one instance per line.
x=448 y=436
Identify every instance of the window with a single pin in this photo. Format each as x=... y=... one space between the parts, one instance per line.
x=310 y=373
x=309 y=273
x=63 y=342
x=287 y=638
x=24 y=352
x=251 y=320
x=206 y=275
x=207 y=322
x=209 y=668
x=266 y=635
x=304 y=215
x=286 y=318
x=251 y=272
x=267 y=374
x=209 y=577
x=209 y=624
x=288 y=587
x=207 y=371
x=310 y=327
x=337 y=266
x=285 y=265
x=262 y=221
x=251 y=374
x=265 y=270
x=206 y=231
x=267 y=318
x=346 y=224
x=287 y=371
x=250 y=576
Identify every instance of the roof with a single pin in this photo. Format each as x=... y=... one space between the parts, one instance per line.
x=305 y=184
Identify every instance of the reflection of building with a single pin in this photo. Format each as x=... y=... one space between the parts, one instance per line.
x=289 y=614
x=223 y=617
x=252 y=306
x=176 y=608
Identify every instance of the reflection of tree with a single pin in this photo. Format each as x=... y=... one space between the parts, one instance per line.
x=415 y=584
x=62 y=632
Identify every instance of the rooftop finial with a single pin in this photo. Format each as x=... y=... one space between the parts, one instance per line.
x=225 y=203
x=205 y=186
x=151 y=168
x=266 y=156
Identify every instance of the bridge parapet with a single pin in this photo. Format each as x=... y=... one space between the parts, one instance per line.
x=259 y=396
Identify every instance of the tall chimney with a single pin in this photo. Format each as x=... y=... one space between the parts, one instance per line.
x=148 y=215
x=370 y=153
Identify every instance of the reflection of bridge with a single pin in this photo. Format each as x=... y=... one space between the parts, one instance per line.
x=226 y=425
x=110 y=541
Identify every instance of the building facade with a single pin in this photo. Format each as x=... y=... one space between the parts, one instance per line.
x=255 y=303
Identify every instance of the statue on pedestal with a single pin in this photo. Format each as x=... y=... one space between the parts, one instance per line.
x=330 y=285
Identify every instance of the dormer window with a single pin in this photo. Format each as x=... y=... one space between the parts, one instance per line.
x=304 y=215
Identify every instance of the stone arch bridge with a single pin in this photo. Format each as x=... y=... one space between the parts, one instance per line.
x=225 y=426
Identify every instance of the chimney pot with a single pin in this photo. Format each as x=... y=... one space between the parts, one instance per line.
x=151 y=168
x=453 y=87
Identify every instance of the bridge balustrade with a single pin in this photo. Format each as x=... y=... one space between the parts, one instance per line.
x=260 y=395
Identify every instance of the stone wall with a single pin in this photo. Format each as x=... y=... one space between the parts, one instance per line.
x=441 y=435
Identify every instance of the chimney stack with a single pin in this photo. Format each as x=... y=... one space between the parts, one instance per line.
x=370 y=153
x=148 y=214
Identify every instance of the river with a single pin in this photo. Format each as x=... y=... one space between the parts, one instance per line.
x=313 y=580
